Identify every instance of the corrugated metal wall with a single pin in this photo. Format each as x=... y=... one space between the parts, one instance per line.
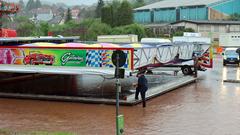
x=142 y=16
x=228 y=7
x=186 y=13
x=193 y=13
x=164 y=15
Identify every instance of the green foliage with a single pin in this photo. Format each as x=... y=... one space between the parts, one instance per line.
x=97 y=28
x=149 y=32
x=68 y=16
x=234 y=17
x=138 y=3
x=130 y=29
x=124 y=14
x=117 y=14
x=26 y=28
x=21 y=4
x=29 y=5
x=38 y=4
x=180 y=32
x=32 y=4
x=135 y=29
x=107 y=15
x=99 y=8
x=44 y=28
x=87 y=29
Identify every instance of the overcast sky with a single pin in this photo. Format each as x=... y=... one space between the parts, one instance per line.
x=68 y=2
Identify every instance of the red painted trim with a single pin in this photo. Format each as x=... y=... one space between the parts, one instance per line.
x=132 y=59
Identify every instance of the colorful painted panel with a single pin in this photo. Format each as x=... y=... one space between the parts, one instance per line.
x=60 y=57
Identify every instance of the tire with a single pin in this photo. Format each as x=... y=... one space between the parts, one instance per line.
x=186 y=70
x=224 y=64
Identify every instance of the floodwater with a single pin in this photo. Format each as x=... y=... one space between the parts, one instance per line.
x=208 y=107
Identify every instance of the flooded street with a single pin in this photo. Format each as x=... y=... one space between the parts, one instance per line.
x=208 y=107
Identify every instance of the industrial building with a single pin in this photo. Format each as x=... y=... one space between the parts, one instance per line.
x=177 y=10
x=212 y=29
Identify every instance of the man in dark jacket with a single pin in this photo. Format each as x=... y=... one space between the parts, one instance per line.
x=142 y=87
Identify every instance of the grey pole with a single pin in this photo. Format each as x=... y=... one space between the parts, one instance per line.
x=117 y=94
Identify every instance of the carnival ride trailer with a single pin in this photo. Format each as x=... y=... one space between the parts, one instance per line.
x=172 y=55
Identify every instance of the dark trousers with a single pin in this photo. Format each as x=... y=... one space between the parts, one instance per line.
x=143 y=95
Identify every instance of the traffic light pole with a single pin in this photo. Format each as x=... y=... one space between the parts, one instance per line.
x=118 y=85
x=119 y=59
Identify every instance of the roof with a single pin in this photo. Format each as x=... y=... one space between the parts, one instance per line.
x=56 y=20
x=21 y=40
x=177 y=3
x=210 y=22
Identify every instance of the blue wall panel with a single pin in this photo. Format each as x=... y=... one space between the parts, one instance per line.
x=193 y=13
x=164 y=15
x=142 y=16
x=228 y=7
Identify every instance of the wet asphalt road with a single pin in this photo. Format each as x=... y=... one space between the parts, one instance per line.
x=208 y=107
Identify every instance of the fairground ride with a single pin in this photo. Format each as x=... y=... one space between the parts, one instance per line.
x=7 y=8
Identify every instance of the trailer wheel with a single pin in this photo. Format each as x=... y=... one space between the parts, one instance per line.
x=186 y=70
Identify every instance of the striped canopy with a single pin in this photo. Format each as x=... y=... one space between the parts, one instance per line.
x=43 y=44
x=136 y=46
x=74 y=45
x=40 y=44
x=105 y=45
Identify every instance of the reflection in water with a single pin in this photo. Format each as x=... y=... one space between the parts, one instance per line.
x=206 y=108
x=238 y=74
x=224 y=73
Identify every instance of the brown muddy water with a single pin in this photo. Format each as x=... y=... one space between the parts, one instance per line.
x=208 y=107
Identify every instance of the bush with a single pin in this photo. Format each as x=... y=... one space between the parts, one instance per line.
x=97 y=29
x=135 y=29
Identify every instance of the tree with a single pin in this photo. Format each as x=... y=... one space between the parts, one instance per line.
x=124 y=14
x=117 y=14
x=68 y=16
x=21 y=4
x=30 y=5
x=27 y=29
x=38 y=4
x=107 y=15
x=44 y=28
x=99 y=8
x=234 y=17
x=139 y=3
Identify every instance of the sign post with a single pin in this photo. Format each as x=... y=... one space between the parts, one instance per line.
x=118 y=59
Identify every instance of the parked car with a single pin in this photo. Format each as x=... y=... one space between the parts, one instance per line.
x=230 y=56
x=36 y=58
